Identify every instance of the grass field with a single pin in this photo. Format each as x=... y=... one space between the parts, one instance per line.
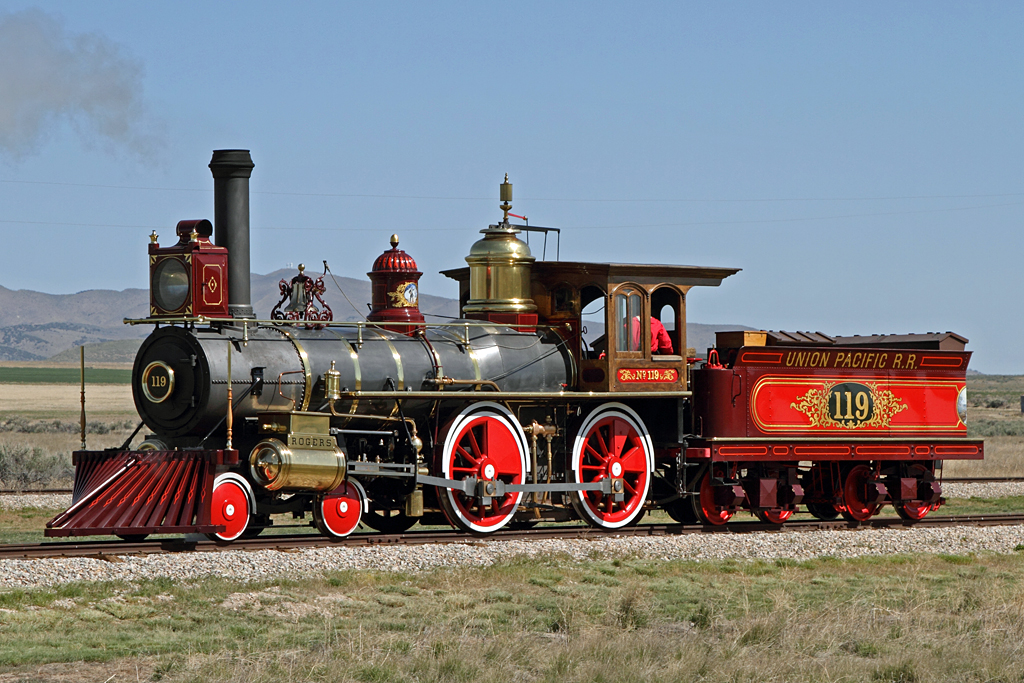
x=891 y=619
x=64 y=375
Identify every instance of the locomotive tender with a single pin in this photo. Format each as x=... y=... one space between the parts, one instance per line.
x=507 y=415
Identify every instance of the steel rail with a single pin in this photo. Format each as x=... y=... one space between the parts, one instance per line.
x=287 y=543
x=945 y=480
x=35 y=492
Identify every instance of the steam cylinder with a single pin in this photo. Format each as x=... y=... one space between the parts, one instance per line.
x=294 y=359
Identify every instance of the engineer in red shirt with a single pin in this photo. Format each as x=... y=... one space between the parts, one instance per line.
x=660 y=341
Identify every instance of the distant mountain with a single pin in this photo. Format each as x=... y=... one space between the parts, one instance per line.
x=100 y=308
x=38 y=342
x=37 y=326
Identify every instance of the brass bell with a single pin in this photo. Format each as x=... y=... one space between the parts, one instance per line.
x=299 y=299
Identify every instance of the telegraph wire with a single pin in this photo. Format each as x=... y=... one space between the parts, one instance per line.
x=537 y=199
x=752 y=221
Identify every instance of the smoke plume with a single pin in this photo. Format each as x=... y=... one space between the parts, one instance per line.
x=49 y=77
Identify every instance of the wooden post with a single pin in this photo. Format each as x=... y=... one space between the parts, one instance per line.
x=82 y=374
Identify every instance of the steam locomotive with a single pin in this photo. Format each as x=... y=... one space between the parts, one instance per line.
x=508 y=415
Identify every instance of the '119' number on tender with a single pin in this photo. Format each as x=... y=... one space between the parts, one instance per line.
x=851 y=404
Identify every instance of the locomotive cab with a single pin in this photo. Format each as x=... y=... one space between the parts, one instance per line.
x=639 y=304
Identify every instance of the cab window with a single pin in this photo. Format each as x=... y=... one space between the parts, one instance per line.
x=629 y=321
x=666 y=308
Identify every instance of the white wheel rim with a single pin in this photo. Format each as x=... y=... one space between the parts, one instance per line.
x=343 y=507
x=502 y=414
x=629 y=415
x=239 y=481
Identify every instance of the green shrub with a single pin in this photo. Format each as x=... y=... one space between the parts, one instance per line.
x=22 y=467
x=995 y=428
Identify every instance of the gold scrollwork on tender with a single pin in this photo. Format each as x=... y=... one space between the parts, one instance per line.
x=825 y=408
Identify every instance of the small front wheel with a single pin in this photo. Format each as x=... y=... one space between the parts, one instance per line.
x=337 y=513
x=230 y=505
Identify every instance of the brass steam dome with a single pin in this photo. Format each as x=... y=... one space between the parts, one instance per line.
x=499 y=268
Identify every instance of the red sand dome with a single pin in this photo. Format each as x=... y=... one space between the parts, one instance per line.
x=394 y=260
x=395 y=285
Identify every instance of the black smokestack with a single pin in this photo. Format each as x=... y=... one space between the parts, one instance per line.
x=231 y=169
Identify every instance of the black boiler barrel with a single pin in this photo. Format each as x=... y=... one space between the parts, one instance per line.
x=294 y=361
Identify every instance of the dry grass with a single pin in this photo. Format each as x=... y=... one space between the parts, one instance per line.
x=63 y=401
x=918 y=619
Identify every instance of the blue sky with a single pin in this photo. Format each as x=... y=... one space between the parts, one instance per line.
x=860 y=162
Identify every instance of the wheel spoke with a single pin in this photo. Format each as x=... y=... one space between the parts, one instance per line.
x=465 y=454
x=590 y=450
x=473 y=443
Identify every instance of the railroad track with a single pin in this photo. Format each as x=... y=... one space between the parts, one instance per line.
x=35 y=492
x=292 y=542
x=946 y=480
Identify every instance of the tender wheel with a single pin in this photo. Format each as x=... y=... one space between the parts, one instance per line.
x=612 y=443
x=231 y=504
x=819 y=482
x=773 y=516
x=682 y=511
x=854 y=508
x=388 y=521
x=913 y=512
x=337 y=513
x=823 y=511
x=704 y=503
x=484 y=442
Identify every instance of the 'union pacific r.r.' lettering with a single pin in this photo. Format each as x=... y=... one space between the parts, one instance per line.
x=808 y=359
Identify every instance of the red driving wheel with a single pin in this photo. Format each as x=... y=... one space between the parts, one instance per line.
x=612 y=444
x=230 y=506
x=485 y=443
x=704 y=503
x=855 y=508
x=337 y=513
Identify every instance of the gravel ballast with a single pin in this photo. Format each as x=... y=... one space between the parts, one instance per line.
x=270 y=564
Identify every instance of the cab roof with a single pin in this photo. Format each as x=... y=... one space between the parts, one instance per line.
x=615 y=273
